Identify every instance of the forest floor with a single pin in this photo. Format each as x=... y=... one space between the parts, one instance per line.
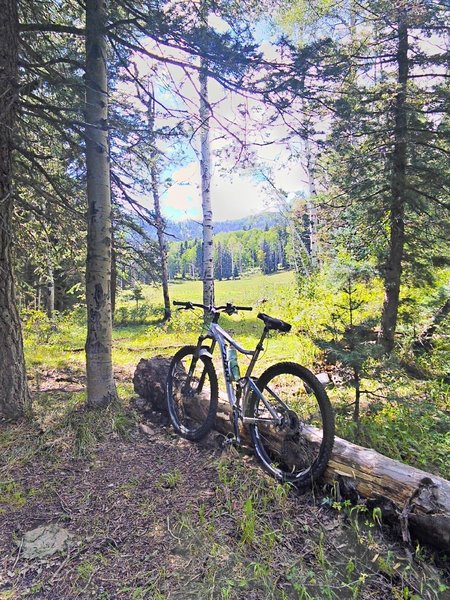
x=153 y=516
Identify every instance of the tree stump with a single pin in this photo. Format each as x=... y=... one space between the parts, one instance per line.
x=418 y=501
x=149 y=381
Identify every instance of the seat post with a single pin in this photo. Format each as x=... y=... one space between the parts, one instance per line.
x=259 y=348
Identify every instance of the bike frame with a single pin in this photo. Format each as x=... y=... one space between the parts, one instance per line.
x=246 y=384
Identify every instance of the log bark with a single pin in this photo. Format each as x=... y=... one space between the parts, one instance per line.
x=417 y=500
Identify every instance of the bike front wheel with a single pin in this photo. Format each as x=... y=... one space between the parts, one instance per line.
x=295 y=444
x=192 y=393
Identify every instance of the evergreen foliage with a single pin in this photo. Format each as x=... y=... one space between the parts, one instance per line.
x=235 y=253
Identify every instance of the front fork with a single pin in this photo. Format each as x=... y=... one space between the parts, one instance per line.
x=236 y=410
x=200 y=341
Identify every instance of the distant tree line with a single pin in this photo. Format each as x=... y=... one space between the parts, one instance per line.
x=235 y=253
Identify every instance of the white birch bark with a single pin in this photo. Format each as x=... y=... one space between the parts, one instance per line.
x=205 y=170
x=100 y=382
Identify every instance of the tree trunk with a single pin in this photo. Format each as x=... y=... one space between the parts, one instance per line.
x=310 y=204
x=159 y=221
x=50 y=301
x=50 y=282
x=14 y=397
x=100 y=383
x=418 y=501
x=312 y=190
x=393 y=269
x=113 y=274
x=37 y=298
x=205 y=169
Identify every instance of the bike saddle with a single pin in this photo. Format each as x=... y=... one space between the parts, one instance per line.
x=272 y=323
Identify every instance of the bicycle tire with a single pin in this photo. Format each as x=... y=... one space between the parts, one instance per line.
x=284 y=450
x=192 y=411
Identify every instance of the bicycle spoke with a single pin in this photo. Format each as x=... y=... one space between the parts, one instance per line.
x=286 y=448
x=192 y=393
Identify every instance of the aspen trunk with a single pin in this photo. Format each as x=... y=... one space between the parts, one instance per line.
x=51 y=293
x=113 y=274
x=14 y=397
x=159 y=221
x=393 y=269
x=100 y=383
x=310 y=205
x=205 y=169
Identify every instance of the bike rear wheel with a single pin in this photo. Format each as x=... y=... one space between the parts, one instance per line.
x=299 y=447
x=192 y=393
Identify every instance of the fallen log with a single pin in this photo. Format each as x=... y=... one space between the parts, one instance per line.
x=417 y=500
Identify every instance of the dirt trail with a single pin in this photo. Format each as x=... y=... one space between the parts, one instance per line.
x=155 y=516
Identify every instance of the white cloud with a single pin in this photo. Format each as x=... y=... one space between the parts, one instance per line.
x=232 y=195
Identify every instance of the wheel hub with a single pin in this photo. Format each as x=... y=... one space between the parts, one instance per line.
x=291 y=422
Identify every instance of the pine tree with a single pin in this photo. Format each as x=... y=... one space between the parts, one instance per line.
x=14 y=396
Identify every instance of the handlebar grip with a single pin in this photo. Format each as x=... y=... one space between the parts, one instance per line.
x=177 y=303
x=243 y=307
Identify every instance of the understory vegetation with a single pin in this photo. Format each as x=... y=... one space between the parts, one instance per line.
x=404 y=400
x=169 y=519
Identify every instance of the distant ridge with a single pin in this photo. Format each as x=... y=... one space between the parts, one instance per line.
x=187 y=230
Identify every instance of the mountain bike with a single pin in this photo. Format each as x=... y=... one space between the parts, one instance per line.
x=286 y=409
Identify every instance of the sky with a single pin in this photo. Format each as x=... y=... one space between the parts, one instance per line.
x=236 y=190
x=234 y=194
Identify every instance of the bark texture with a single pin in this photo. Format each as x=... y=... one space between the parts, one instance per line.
x=418 y=501
x=205 y=170
x=149 y=381
x=100 y=382
x=160 y=226
x=159 y=221
x=310 y=204
x=393 y=269
x=14 y=397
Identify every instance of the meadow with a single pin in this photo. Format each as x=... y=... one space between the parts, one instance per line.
x=405 y=402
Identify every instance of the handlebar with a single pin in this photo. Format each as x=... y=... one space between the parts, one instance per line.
x=228 y=308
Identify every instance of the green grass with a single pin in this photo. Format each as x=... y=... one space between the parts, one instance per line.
x=272 y=294
x=393 y=406
x=62 y=343
x=245 y=291
x=244 y=540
